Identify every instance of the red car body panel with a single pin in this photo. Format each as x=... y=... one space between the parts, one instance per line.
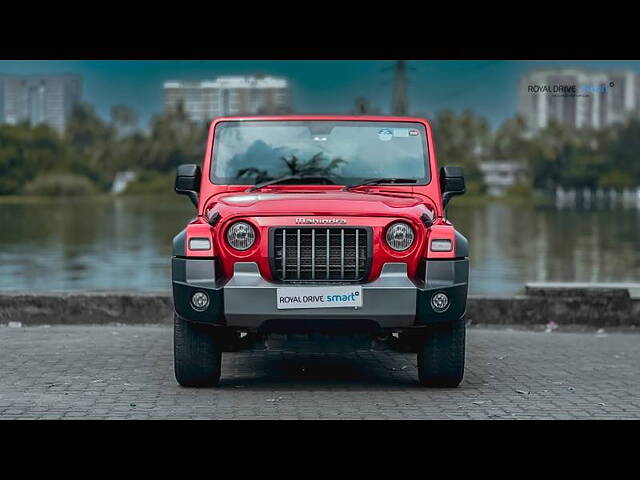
x=279 y=205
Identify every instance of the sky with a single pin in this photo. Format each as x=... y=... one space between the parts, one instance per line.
x=490 y=88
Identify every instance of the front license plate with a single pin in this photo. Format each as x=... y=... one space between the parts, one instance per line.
x=319 y=296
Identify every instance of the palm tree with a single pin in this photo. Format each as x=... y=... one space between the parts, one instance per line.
x=312 y=167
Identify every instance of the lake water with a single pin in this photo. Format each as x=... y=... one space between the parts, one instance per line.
x=124 y=243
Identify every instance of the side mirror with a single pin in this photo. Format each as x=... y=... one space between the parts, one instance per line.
x=451 y=183
x=188 y=181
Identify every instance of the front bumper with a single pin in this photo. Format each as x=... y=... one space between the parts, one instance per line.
x=247 y=301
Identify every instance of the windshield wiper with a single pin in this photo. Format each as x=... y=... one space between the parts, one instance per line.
x=316 y=178
x=380 y=181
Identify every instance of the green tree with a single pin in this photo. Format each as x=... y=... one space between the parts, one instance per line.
x=173 y=140
x=26 y=151
x=463 y=140
x=512 y=141
x=124 y=120
x=93 y=143
x=625 y=152
x=550 y=155
x=563 y=156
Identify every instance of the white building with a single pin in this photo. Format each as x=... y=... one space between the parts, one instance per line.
x=229 y=95
x=578 y=98
x=37 y=99
x=500 y=175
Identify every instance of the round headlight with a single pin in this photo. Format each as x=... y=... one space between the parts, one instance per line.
x=241 y=235
x=400 y=236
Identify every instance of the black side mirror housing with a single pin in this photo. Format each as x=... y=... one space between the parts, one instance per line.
x=188 y=179
x=451 y=183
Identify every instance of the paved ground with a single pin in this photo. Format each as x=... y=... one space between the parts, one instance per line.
x=127 y=372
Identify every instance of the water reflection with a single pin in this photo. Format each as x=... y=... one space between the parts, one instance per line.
x=511 y=245
x=125 y=243
x=89 y=244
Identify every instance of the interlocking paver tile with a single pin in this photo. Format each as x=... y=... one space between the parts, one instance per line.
x=88 y=372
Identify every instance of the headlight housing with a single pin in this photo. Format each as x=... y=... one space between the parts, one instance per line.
x=241 y=236
x=400 y=236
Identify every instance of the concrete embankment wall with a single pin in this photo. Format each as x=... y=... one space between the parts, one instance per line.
x=595 y=307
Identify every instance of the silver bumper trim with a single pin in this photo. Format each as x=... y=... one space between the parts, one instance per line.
x=390 y=300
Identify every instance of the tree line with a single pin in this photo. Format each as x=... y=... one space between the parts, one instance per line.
x=557 y=155
x=89 y=153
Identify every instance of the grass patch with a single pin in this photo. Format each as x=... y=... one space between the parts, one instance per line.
x=508 y=199
x=152 y=183
x=60 y=185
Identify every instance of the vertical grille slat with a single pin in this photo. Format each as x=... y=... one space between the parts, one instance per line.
x=298 y=253
x=357 y=256
x=313 y=254
x=284 y=253
x=342 y=254
x=301 y=254
x=328 y=251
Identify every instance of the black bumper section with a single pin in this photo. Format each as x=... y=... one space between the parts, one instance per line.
x=447 y=276
x=427 y=315
x=213 y=315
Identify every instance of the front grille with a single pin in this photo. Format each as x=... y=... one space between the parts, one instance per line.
x=336 y=254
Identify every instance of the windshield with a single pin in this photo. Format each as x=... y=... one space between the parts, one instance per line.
x=348 y=152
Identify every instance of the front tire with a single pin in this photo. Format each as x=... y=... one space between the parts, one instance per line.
x=197 y=354
x=441 y=355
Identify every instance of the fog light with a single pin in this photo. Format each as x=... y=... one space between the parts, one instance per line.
x=440 y=302
x=200 y=301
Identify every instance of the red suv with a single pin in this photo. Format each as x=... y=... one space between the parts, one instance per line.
x=320 y=226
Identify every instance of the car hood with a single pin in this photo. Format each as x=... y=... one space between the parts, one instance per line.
x=321 y=203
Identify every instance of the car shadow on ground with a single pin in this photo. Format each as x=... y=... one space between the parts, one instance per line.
x=304 y=371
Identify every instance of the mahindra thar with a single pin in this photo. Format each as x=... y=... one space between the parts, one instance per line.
x=320 y=228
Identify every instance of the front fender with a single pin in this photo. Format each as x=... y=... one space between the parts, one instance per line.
x=461 y=247
x=179 y=247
